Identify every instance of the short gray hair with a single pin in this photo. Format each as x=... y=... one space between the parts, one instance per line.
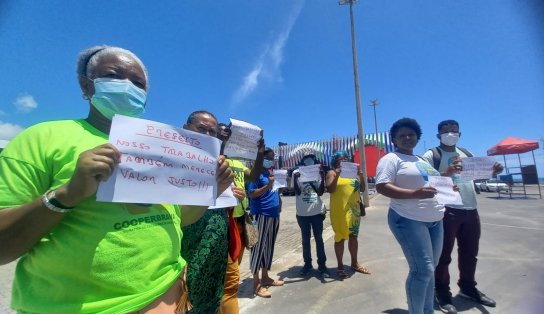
x=88 y=59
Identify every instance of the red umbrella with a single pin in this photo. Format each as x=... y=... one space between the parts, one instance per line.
x=512 y=145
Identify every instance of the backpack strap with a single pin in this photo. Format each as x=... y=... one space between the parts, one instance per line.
x=437 y=156
x=465 y=151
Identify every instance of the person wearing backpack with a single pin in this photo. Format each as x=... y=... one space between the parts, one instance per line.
x=461 y=222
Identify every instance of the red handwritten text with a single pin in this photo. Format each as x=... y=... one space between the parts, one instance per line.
x=154 y=131
x=135 y=175
x=133 y=144
x=147 y=161
x=200 y=185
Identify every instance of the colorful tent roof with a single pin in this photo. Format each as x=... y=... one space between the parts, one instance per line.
x=512 y=145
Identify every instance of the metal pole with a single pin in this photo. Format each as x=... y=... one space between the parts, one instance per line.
x=374 y=103
x=358 y=102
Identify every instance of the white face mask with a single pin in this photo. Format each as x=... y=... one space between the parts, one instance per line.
x=449 y=139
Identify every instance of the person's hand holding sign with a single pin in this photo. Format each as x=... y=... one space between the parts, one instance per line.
x=497 y=168
x=93 y=166
x=224 y=175
x=424 y=192
x=454 y=167
x=271 y=180
x=239 y=193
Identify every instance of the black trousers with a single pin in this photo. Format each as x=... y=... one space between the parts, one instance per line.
x=464 y=226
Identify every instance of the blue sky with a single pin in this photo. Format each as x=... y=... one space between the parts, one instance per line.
x=286 y=65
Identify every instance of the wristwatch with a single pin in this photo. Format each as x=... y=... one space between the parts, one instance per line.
x=51 y=202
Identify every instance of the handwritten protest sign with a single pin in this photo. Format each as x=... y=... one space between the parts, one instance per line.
x=309 y=173
x=243 y=141
x=280 y=179
x=477 y=168
x=161 y=164
x=349 y=170
x=226 y=199
x=444 y=187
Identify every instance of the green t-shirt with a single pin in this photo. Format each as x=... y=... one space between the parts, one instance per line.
x=102 y=257
x=238 y=168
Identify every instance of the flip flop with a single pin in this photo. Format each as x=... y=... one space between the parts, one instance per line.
x=275 y=283
x=342 y=274
x=361 y=269
x=262 y=292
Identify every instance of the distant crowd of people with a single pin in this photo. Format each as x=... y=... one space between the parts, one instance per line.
x=71 y=258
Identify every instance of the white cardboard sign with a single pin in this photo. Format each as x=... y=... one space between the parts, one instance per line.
x=349 y=170
x=309 y=173
x=280 y=179
x=161 y=164
x=477 y=168
x=444 y=186
x=243 y=141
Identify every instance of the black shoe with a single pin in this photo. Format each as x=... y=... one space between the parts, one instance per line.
x=305 y=270
x=478 y=296
x=445 y=304
x=324 y=271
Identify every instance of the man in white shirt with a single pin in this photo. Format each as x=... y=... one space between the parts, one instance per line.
x=461 y=222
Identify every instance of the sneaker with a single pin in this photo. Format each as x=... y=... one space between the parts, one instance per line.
x=478 y=296
x=324 y=271
x=306 y=270
x=445 y=304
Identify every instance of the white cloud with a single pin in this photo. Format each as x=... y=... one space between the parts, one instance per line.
x=25 y=103
x=8 y=130
x=270 y=60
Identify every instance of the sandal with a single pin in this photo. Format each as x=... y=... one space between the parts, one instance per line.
x=262 y=292
x=274 y=283
x=361 y=269
x=342 y=274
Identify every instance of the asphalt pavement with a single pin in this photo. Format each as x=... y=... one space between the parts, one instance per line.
x=510 y=266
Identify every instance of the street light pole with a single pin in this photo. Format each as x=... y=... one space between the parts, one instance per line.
x=357 y=100
x=374 y=103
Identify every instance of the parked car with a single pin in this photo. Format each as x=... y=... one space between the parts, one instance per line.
x=494 y=185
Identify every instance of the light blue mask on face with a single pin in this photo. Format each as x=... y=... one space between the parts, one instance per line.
x=113 y=96
x=268 y=163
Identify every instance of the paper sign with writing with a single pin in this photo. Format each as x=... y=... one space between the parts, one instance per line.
x=226 y=199
x=309 y=173
x=161 y=164
x=350 y=170
x=444 y=187
x=280 y=179
x=243 y=141
x=477 y=168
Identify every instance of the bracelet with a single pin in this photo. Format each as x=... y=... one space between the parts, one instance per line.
x=49 y=200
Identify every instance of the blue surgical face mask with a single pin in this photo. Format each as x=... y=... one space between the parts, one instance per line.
x=113 y=96
x=268 y=163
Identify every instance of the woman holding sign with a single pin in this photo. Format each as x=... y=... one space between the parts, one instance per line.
x=345 y=212
x=265 y=207
x=77 y=254
x=415 y=217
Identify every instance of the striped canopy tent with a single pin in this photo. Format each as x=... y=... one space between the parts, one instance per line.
x=291 y=155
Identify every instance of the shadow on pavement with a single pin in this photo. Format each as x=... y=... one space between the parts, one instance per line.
x=463 y=304
x=292 y=275
x=396 y=311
